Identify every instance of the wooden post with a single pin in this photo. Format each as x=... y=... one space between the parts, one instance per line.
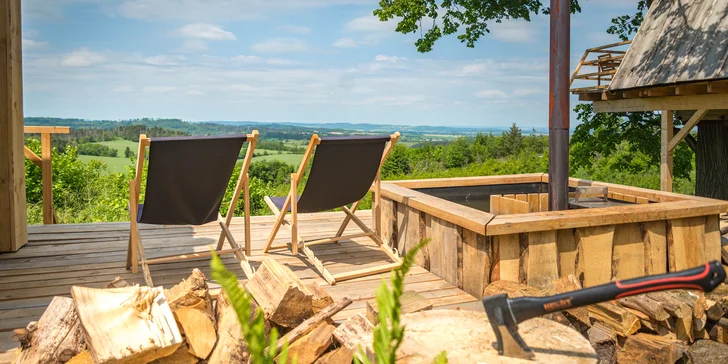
x=377 y=210
x=294 y=213
x=665 y=152
x=47 y=177
x=13 y=218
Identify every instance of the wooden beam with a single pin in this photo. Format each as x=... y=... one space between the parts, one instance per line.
x=47 y=129
x=687 y=128
x=32 y=157
x=47 y=177
x=665 y=153
x=13 y=218
x=692 y=102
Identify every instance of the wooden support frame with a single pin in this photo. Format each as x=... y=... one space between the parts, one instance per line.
x=694 y=120
x=135 y=252
x=666 y=130
x=45 y=163
x=297 y=242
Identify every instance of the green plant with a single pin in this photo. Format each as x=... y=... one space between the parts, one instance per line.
x=253 y=331
x=389 y=333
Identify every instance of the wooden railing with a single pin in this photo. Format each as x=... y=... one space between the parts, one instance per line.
x=607 y=62
x=45 y=162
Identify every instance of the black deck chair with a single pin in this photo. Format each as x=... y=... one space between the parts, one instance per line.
x=342 y=173
x=186 y=182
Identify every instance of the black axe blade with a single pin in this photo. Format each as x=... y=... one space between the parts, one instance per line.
x=505 y=313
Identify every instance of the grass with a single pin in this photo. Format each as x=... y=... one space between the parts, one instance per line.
x=120 y=145
x=294 y=159
x=115 y=164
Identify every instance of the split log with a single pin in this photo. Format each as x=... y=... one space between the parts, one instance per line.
x=83 y=357
x=646 y=305
x=618 y=318
x=707 y=352
x=648 y=323
x=118 y=282
x=410 y=301
x=678 y=309
x=428 y=333
x=319 y=298
x=714 y=311
x=55 y=338
x=340 y=355
x=355 y=332
x=192 y=307
x=132 y=324
x=718 y=331
x=311 y=322
x=646 y=348
x=604 y=341
x=231 y=346
x=312 y=345
x=181 y=356
x=284 y=299
x=513 y=289
x=568 y=284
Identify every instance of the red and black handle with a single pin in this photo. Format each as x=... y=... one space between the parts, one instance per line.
x=705 y=278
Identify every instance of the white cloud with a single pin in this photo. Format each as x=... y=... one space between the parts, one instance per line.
x=248 y=59
x=82 y=57
x=370 y=23
x=514 y=31
x=205 y=31
x=192 y=46
x=297 y=29
x=159 y=89
x=124 y=89
x=393 y=59
x=29 y=44
x=344 y=43
x=280 y=45
x=491 y=94
x=164 y=60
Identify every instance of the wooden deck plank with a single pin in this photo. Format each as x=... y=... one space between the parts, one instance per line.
x=60 y=256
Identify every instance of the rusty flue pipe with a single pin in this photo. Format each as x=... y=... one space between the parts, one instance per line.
x=559 y=105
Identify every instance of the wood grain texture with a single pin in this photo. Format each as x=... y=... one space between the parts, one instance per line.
x=476 y=263
x=508 y=257
x=543 y=265
x=388 y=209
x=443 y=249
x=712 y=238
x=655 y=242
x=568 y=251
x=13 y=229
x=687 y=246
x=595 y=246
x=628 y=255
x=58 y=336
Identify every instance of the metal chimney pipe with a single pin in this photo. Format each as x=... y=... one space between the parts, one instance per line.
x=559 y=105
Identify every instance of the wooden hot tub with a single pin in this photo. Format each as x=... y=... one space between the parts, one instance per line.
x=490 y=228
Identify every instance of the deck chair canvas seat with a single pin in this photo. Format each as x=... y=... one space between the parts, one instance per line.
x=342 y=173
x=186 y=182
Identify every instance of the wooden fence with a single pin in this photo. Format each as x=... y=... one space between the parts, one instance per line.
x=45 y=162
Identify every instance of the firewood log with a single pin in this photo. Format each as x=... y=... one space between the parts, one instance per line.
x=356 y=331
x=604 y=341
x=646 y=305
x=118 y=282
x=714 y=311
x=340 y=355
x=646 y=348
x=192 y=307
x=312 y=345
x=131 y=324
x=681 y=311
x=513 y=289
x=181 y=356
x=707 y=352
x=55 y=338
x=718 y=331
x=231 y=346
x=410 y=302
x=83 y=357
x=311 y=322
x=618 y=318
x=319 y=298
x=284 y=298
x=568 y=284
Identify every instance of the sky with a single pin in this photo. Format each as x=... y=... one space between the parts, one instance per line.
x=285 y=61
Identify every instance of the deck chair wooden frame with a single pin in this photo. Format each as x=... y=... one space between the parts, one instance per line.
x=297 y=242
x=135 y=252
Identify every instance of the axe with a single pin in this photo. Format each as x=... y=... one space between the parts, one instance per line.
x=505 y=313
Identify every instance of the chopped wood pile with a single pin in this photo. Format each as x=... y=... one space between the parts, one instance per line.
x=184 y=324
x=656 y=327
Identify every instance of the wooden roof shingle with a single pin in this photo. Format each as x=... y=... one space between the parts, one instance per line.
x=679 y=41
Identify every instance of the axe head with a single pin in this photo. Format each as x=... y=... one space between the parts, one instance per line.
x=505 y=326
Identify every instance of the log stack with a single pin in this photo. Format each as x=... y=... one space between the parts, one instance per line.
x=656 y=327
x=122 y=323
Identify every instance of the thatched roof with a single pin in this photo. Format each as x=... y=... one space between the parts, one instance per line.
x=680 y=41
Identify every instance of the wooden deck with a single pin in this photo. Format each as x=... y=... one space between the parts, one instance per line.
x=60 y=256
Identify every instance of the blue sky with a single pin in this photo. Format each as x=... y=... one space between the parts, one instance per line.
x=285 y=60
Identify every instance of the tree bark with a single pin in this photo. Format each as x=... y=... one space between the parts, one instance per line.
x=711 y=159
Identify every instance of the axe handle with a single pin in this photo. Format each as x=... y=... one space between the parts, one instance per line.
x=704 y=278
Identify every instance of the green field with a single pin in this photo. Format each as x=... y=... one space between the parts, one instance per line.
x=115 y=164
x=121 y=145
x=294 y=159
